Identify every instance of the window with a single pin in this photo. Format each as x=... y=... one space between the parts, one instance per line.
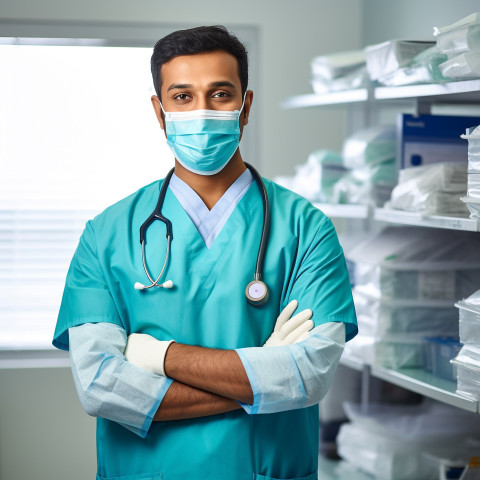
x=77 y=133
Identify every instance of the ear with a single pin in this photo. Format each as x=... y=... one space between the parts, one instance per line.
x=247 y=107
x=158 y=110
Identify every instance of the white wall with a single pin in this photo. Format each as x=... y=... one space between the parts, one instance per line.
x=43 y=431
x=410 y=19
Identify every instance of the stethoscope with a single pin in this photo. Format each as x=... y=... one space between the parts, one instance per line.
x=256 y=291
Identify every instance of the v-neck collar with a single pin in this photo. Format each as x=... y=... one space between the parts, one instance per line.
x=209 y=223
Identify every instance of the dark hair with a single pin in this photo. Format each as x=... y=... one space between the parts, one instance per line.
x=198 y=40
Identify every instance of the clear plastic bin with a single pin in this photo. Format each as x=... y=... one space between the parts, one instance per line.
x=382 y=316
x=469 y=323
x=419 y=284
x=438 y=353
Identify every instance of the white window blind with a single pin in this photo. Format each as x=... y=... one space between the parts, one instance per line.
x=77 y=133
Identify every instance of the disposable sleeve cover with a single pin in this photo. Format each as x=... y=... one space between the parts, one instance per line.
x=108 y=386
x=293 y=376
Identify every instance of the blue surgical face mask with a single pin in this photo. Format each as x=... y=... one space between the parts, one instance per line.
x=203 y=141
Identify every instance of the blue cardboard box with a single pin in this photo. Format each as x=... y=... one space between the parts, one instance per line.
x=427 y=139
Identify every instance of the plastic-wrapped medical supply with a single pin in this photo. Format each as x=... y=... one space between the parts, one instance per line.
x=316 y=178
x=391 y=442
x=370 y=185
x=461 y=36
x=462 y=67
x=384 y=58
x=431 y=190
x=337 y=65
x=438 y=353
x=424 y=68
x=370 y=146
x=469 y=319
x=472 y=199
x=473 y=137
x=339 y=71
x=468 y=371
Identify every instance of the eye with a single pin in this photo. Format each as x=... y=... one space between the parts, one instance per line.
x=181 y=97
x=221 y=95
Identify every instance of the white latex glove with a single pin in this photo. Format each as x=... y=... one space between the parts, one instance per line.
x=146 y=352
x=290 y=330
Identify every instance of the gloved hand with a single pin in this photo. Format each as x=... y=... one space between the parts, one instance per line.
x=290 y=330
x=146 y=352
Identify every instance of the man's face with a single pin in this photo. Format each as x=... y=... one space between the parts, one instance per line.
x=202 y=81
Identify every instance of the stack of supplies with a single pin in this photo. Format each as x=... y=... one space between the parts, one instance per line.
x=468 y=359
x=369 y=155
x=461 y=43
x=406 y=282
x=472 y=199
x=431 y=190
x=315 y=179
x=340 y=71
x=399 y=62
x=409 y=442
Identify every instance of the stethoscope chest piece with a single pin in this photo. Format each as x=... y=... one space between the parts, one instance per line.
x=256 y=292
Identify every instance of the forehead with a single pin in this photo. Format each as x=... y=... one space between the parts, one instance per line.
x=200 y=68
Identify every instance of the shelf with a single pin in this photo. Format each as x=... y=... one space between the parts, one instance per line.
x=466 y=91
x=434 y=221
x=428 y=385
x=328 y=469
x=333 y=98
x=416 y=380
x=344 y=211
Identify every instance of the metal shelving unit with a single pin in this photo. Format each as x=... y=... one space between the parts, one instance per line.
x=463 y=92
x=416 y=380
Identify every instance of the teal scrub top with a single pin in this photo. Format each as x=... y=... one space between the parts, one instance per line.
x=208 y=307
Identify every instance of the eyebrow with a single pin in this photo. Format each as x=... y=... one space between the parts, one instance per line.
x=180 y=86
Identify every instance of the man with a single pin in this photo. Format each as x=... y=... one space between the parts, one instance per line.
x=194 y=393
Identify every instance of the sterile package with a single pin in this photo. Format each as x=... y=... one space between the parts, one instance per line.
x=416 y=263
x=390 y=441
x=337 y=65
x=462 y=39
x=371 y=184
x=431 y=189
x=370 y=146
x=379 y=317
x=461 y=36
x=468 y=371
x=438 y=353
x=462 y=67
x=387 y=57
x=356 y=79
x=315 y=179
x=473 y=137
x=469 y=319
x=424 y=68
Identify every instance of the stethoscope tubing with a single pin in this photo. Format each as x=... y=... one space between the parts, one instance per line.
x=157 y=215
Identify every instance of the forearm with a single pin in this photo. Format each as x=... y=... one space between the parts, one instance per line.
x=183 y=401
x=216 y=371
